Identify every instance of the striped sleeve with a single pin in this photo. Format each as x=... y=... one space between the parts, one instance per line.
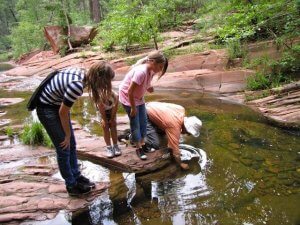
x=73 y=92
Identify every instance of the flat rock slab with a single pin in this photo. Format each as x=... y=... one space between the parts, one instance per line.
x=28 y=188
x=213 y=60
x=282 y=108
x=93 y=149
x=128 y=161
x=10 y=101
x=206 y=80
x=39 y=200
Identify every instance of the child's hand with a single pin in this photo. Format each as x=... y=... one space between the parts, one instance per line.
x=150 y=89
x=133 y=112
x=105 y=123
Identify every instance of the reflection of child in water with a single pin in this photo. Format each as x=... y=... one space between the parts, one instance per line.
x=108 y=111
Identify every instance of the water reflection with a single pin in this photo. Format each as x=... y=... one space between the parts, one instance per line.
x=252 y=175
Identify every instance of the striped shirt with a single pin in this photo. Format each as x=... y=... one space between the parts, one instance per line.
x=66 y=86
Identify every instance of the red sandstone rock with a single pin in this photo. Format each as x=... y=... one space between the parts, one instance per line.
x=205 y=80
x=78 y=36
x=10 y=101
x=213 y=60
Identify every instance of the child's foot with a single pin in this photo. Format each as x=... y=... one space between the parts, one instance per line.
x=117 y=150
x=110 y=152
x=147 y=149
x=85 y=181
x=140 y=153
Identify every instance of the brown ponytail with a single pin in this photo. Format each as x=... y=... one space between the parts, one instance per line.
x=158 y=57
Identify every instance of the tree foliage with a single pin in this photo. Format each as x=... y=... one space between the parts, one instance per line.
x=255 y=19
x=136 y=21
x=26 y=33
x=128 y=22
x=8 y=18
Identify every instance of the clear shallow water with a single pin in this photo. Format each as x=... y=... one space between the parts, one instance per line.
x=5 y=66
x=252 y=175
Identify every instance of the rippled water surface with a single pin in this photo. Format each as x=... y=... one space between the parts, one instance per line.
x=252 y=175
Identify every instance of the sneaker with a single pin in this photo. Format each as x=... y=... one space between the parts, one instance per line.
x=130 y=139
x=110 y=152
x=78 y=189
x=85 y=181
x=140 y=153
x=147 y=149
x=117 y=150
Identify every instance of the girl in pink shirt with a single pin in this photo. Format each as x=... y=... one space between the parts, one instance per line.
x=131 y=94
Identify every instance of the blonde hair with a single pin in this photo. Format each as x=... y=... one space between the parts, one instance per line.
x=98 y=81
x=157 y=57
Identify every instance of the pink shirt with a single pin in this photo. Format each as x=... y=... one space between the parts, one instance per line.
x=142 y=77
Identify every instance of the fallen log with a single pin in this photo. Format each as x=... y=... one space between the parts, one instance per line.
x=286 y=88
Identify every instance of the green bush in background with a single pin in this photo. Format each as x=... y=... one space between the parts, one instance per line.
x=235 y=48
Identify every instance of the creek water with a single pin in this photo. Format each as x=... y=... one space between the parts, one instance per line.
x=5 y=66
x=252 y=173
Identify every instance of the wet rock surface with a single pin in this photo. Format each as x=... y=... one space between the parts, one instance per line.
x=29 y=190
x=282 y=107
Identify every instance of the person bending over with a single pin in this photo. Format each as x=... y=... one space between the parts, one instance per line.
x=55 y=100
x=171 y=119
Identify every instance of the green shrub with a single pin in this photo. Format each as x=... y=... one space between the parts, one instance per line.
x=255 y=20
x=258 y=81
x=6 y=56
x=235 y=48
x=26 y=37
x=289 y=63
x=9 y=131
x=4 y=42
x=35 y=134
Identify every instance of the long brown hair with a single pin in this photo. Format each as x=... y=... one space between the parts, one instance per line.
x=98 y=81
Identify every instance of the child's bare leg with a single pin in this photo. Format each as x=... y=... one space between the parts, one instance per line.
x=113 y=132
x=106 y=134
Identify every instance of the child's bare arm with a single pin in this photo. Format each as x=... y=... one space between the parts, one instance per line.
x=115 y=107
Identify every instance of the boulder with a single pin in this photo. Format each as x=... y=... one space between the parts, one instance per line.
x=78 y=36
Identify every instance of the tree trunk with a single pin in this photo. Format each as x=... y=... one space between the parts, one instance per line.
x=101 y=11
x=68 y=24
x=95 y=10
x=13 y=14
x=155 y=42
